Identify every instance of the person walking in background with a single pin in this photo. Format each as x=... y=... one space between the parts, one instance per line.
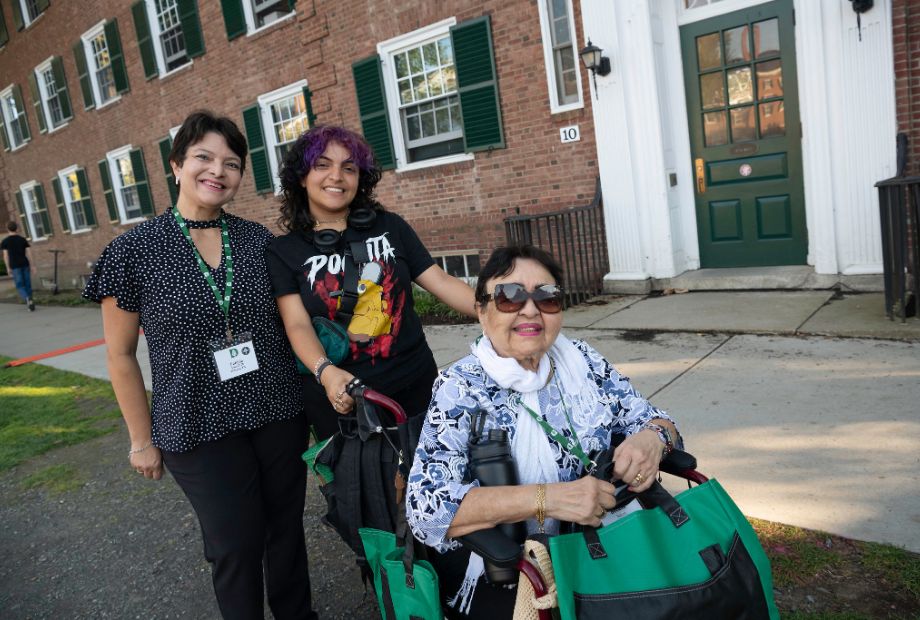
x=17 y=254
x=226 y=417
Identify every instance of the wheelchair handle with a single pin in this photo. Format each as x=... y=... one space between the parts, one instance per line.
x=378 y=399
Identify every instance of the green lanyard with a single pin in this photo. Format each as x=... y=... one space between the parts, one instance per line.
x=573 y=445
x=222 y=301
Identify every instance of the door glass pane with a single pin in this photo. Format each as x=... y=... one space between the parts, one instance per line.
x=709 y=51
x=772 y=119
x=743 y=128
x=769 y=79
x=766 y=38
x=712 y=90
x=737 y=47
x=740 y=87
x=715 y=128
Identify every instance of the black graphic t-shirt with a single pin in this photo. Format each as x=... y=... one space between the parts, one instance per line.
x=398 y=353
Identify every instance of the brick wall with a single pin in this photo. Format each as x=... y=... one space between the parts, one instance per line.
x=906 y=38
x=453 y=207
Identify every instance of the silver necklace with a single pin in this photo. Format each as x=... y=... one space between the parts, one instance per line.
x=341 y=219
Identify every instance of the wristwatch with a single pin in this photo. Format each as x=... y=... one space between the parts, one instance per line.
x=664 y=434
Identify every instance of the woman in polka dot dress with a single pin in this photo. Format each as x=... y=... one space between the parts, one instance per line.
x=226 y=417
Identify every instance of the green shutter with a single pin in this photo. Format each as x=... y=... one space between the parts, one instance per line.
x=191 y=27
x=17 y=15
x=43 y=209
x=234 y=20
x=106 y=177
x=26 y=231
x=372 y=107
x=4 y=35
x=258 y=156
x=144 y=196
x=79 y=55
x=3 y=137
x=308 y=101
x=60 y=85
x=86 y=202
x=144 y=41
x=62 y=208
x=23 y=120
x=113 y=42
x=42 y=4
x=291 y=4
x=37 y=103
x=477 y=85
x=165 y=147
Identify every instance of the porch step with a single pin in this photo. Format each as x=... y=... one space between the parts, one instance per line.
x=750 y=278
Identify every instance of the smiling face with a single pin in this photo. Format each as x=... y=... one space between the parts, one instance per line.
x=527 y=334
x=210 y=174
x=332 y=184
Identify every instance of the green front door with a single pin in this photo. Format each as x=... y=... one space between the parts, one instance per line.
x=743 y=107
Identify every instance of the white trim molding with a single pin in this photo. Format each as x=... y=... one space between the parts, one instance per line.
x=265 y=102
x=546 y=34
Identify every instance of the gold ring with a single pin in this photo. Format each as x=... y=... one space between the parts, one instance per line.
x=603 y=512
x=339 y=395
x=339 y=403
x=639 y=478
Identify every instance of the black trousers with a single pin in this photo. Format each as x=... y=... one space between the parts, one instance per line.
x=414 y=399
x=489 y=602
x=248 y=489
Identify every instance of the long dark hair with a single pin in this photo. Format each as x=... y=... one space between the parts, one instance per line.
x=302 y=158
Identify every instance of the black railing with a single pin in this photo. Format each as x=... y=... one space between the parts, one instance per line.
x=898 y=200
x=576 y=238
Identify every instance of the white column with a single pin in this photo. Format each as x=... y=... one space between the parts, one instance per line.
x=614 y=160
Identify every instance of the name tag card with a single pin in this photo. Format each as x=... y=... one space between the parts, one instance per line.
x=235 y=357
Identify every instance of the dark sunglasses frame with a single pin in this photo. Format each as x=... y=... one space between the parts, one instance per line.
x=548 y=301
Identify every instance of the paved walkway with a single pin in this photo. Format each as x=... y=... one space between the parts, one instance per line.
x=804 y=407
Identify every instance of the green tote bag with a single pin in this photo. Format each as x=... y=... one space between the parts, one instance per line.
x=693 y=556
x=407 y=589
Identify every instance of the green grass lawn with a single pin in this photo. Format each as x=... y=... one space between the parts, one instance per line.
x=42 y=408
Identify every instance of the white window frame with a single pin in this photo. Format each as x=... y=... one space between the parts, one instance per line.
x=386 y=50
x=173 y=131
x=30 y=209
x=688 y=16
x=155 y=35
x=250 y=15
x=26 y=20
x=40 y=71
x=555 y=107
x=5 y=94
x=90 y=56
x=112 y=158
x=440 y=259
x=68 y=202
x=265 y=101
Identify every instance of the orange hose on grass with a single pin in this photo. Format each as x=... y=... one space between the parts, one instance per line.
x=77 y=347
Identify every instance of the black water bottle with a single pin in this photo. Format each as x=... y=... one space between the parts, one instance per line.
x=492 y=464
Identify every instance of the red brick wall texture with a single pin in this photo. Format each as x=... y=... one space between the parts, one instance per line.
x=457 y=207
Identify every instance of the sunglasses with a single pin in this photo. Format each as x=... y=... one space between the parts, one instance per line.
x=511 y=297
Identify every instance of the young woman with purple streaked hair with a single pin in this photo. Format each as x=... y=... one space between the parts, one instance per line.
x=328 y=180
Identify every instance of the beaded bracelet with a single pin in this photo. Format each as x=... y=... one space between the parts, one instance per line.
x=318 y=362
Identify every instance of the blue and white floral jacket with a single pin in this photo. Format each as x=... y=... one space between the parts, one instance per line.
x=436 y=485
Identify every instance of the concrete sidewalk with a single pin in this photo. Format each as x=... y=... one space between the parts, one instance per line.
x=801 y=428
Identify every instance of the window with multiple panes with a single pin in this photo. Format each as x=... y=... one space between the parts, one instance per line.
x=247 y=16
x=50 y=96
x=741 y=84
x=429 y=106
x=125 y=185
x=459 y=264
x=27 y=11
x=73 y=199
x=103 y=74
x=565 y=71
x=15 y=124
x=124 y=177
x=33 y=208
x=264 y=12
x=172 y=42
x=280 y=117
x=430 y=96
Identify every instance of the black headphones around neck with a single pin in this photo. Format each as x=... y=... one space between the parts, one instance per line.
x=327 y=240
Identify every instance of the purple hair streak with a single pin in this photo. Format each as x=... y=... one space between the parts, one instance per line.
x=317 y=140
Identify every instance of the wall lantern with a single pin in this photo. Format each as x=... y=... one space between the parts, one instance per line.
x=595 y=62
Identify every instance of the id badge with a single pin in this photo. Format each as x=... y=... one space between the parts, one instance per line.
x=621 y=511
x=235 y=357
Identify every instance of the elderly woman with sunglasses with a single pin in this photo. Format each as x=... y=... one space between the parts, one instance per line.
x=559 y=400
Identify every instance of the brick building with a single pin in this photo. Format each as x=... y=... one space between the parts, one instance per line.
x=91 y=171
x=727 y=133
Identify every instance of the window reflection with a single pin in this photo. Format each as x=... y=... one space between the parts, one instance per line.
x=772 y=119
x=743 y=127
x=769 y=79
x=709 y=51
x=766 y=38
x=737 y=47
x=712 y=90
x=715 y=128
x=740 y=87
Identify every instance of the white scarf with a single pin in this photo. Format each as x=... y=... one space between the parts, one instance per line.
x=531 y=446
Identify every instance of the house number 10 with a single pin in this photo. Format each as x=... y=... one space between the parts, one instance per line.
x=570 y=134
